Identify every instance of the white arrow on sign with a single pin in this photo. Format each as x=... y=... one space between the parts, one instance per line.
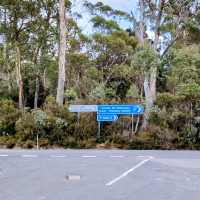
x=115 y=117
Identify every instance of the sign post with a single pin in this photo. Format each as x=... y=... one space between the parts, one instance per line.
x=37 y=141
x=99 y=130
x=132 y=125
x=104 y=118
x=78 y=117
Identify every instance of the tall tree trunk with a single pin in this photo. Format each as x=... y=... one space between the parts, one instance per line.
x=19 y=78
x=141 y=29
x=36 y=92
x=44 y=78
x=150 y=76
x=62 y=50
x=150 y=94
x=157 y=24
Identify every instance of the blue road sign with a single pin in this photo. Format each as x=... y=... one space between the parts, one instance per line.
x=120 y=109
x=106 y=118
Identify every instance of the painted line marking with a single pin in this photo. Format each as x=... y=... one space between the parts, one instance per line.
x=57 y=156
x=3 y=155
x=88 y=156
x=117 y=156
x=146 y=157
x=128 y=172
x=29 y=156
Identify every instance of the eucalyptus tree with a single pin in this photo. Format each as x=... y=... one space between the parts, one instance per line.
x=17 y=18
x=62 y=51
x=111 y=46
x=166 y=19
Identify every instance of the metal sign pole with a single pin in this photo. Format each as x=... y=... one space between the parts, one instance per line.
x=132 y=126
x=37 y=142
x=78 y=116
x=99 y=130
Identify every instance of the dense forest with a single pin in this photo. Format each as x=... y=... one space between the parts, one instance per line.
x=150 y=56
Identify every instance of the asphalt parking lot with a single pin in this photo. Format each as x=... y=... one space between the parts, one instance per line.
x=99 y=175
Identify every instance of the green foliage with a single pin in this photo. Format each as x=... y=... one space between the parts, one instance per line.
x=104 y=25
x=105 y=65
x=25 y=127
x=98 y=92
x=71 y=95
x=8 y=116
x=10 y=143
x=145 y=59
x=29 y=144
x=167 y=100
x=102 y=92
x=133 y=92
x=190 y=91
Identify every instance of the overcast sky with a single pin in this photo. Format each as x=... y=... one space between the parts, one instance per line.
x=124 y=5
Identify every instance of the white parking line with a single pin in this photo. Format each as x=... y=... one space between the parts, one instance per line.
x=128 y=172
x=58 y=156
x=29 y=156
x=141 y=156
x=88 y=156
x=117 y=156
x=3 y=155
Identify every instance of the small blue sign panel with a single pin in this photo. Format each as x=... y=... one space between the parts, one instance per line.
x=120 y=109
x=107 y=118
x=83 y=108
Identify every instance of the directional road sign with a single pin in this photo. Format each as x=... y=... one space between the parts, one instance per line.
x=123 y=109
x=83 y=108
x=106 y=118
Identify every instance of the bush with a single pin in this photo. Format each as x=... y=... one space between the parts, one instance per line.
x=29 y=144
x=167 y=100
x=70 y=142
x=71 y=95
x=44 y=143
x=9 y=114
x=25 y=127
x=3 y=140
x=88 y=144
x=10 y=143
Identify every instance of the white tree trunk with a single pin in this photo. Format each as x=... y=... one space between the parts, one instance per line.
x=36 y=93
x=19 y=78
x=141 y=29
x=62 y=50
x=150 y=76
x=150 y=94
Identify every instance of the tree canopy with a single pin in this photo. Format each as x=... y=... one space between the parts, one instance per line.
x=45 y=53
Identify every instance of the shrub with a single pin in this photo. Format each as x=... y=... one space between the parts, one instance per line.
x=44 y=143
x=88 y=144
x=51 y=108
x=9 y=114
x=70 y=142
x=98 y=92
x=71 y=95
x=25 y=127
x=29 y=144
x=10 y=143
x=167 y=100
x=3 y=140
